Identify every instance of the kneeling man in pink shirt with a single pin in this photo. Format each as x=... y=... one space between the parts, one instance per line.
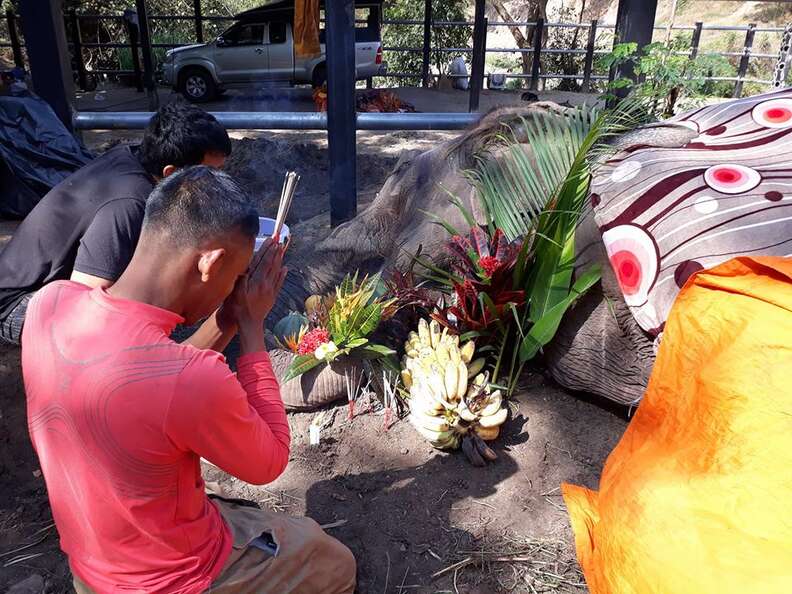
x=120 y=415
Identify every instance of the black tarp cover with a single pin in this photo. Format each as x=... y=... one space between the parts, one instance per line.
x=36 y=153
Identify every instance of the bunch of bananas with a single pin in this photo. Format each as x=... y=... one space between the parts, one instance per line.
x=446 y=407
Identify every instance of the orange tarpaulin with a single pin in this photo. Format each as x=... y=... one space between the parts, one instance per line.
x=306 y=29
x=697 y=496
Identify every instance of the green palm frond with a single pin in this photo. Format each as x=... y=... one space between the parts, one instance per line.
x=520 y=177
x=525 y=168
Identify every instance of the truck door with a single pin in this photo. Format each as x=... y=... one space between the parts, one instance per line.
x=240 y=54
x=281 y=51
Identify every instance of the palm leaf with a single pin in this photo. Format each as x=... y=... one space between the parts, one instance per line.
x=552 y=150
x=517 y=187
x=544 y=328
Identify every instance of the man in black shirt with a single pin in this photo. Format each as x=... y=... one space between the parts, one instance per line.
x=86 y=228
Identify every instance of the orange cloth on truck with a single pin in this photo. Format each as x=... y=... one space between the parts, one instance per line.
x=306 y=29
x=695 y=498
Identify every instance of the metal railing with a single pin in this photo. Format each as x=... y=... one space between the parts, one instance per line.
x=593 y=49
x=587 y=75
x=257 y=120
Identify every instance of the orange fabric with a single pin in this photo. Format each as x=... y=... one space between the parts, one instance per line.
x=306 y=29
x=696 y=496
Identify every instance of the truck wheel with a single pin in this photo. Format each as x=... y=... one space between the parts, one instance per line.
x=197 y=86
x=319 y=76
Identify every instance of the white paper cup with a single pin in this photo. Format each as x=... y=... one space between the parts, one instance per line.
x=267 y=228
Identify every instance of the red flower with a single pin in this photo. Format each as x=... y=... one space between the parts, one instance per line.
x=489 y=264
x=312 y=340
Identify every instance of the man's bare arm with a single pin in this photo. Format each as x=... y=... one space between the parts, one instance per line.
x=214 y=334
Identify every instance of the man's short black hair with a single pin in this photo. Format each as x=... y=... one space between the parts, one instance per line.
x=200 y=203
x=180 y=134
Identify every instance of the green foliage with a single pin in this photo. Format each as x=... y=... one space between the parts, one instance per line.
x=666 y=74
x=412 y=35
x=356 y=312
x=516 y=187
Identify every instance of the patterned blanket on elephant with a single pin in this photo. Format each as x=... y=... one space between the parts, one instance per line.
x=665 y=213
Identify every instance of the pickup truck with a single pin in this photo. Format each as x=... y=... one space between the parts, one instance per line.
x=258 y=49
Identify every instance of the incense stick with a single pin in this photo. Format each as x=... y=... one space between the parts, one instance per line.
x=287 y=194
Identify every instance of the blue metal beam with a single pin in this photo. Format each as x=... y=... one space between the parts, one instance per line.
x=284 y=120
x=48 y=54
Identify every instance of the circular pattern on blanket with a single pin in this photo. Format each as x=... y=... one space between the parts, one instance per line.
x=776 y=113
x=716 y=131
x=633 y=257
x=774 y=196
x=732 y=179
x=626 y=171
x=685 y=270
x=705 y=204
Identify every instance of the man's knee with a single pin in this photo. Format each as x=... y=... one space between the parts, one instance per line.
x=338 y=562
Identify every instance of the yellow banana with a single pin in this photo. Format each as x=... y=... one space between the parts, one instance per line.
x=430 y=422
x=432 y=436
x=423 y=333
x=448 y=443
x=488 y=433
x=465 y=413
x=494 y=420
x=493 y=404
x=434 y=333
x=442 y=355
x=467 y=351
x=436 y=380
x=406 y=377
x=453 y=353
x=476 y=366
x=426 y=353
x=451 y=381
x=462 y=379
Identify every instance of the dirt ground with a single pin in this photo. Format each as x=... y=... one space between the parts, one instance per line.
x=405 y=510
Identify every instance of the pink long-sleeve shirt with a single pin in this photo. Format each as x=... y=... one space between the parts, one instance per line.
x=120 y=416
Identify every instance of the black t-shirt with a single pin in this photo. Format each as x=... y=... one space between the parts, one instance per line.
x=90 y=222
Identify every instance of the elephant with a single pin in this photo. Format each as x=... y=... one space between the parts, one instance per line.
x=672 y=198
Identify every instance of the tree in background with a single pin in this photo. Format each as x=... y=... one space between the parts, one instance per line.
x=412 y=35
x=530 y=10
